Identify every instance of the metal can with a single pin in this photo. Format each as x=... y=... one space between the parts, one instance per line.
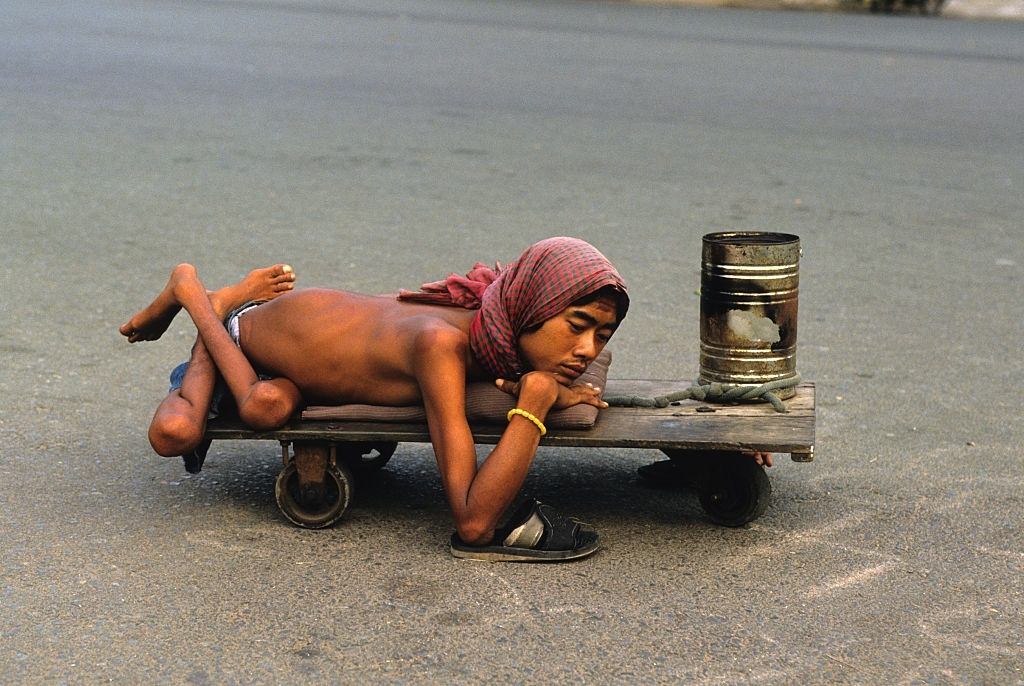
x=748 y=307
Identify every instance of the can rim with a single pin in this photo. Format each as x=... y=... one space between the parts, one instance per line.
x=750 y=238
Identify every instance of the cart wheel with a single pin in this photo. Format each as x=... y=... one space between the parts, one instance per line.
x=733 y=489
x=316 y=505
x=366 y=458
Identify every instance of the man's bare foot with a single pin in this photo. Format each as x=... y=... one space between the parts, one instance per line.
x=151 y=322
x=259 y=284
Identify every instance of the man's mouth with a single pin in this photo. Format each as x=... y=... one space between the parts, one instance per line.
x=574 y=370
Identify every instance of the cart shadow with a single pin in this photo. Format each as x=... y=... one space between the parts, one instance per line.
x=600 y=485
x=602 y=488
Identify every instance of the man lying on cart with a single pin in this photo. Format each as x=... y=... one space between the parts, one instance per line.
x=532 y=326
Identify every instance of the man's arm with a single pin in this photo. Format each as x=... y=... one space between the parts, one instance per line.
x=477 y=497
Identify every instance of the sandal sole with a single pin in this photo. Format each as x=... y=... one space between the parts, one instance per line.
x=495 y=553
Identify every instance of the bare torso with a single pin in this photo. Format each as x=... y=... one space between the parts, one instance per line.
x=340 y=347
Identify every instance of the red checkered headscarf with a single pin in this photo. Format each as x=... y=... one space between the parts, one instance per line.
x=547 y=278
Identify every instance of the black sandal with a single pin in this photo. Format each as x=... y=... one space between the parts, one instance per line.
x=537 y=534
x=195 y=459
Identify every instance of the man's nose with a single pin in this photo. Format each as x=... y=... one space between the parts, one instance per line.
x=586 y=347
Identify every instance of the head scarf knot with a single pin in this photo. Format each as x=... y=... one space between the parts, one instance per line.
x=547 y=278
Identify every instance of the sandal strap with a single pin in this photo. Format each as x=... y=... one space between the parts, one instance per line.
x=559 y=531
x=527 y=534
x=539 y=527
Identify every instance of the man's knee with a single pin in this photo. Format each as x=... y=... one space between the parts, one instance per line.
x=174 y=434
x=266 y=407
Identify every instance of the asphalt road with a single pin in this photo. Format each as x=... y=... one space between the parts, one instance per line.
x=376 y=145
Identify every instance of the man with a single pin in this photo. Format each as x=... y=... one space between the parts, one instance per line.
x=533 y=326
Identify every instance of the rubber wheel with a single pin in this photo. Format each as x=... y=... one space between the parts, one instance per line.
x=366 y=458
x=733 y=489
x=318 y=506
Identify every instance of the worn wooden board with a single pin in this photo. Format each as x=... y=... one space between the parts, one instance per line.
x=747 y=426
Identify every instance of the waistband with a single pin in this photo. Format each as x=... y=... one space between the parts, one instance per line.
x=232 y=321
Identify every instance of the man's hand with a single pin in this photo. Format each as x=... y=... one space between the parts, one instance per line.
x=545 y=383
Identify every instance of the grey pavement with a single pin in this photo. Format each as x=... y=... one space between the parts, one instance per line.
x=377 y=145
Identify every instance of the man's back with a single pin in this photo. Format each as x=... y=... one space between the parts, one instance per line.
x=340 y=347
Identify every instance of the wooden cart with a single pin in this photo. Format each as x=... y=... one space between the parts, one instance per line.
x=322 y=459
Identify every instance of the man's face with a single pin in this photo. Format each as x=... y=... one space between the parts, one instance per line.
x=565 y=344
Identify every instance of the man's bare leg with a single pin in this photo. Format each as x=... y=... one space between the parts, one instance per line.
x=179 y=423
x=261 y=404
x=267 y=283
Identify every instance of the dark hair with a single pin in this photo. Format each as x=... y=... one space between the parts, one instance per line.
x=613 y=293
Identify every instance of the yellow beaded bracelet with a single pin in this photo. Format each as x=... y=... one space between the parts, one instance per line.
x=523 y=413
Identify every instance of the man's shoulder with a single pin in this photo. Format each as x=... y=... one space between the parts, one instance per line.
x=437 y=335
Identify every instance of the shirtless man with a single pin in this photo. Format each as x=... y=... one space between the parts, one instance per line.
x=533 y=327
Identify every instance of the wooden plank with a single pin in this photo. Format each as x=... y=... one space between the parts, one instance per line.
x=745 y=426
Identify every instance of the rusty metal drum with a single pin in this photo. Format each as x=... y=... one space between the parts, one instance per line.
x=748 y=307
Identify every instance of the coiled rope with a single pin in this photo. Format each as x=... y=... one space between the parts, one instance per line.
x=714 y=393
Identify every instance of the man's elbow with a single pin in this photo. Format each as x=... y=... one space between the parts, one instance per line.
x=474 y=532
